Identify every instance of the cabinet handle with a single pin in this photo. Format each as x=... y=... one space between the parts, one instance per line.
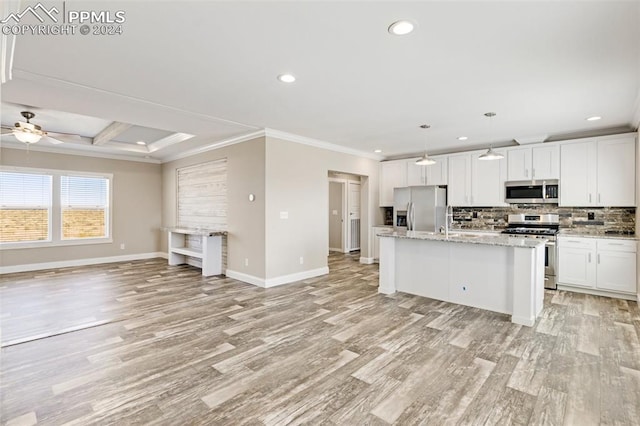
x=598 y=197
x=615 y=244
x=589 y=257
x=589 y=197
x=533 y=172
x=526 y=172
x=598 y=258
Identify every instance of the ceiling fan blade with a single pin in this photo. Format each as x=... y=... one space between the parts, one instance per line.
x=6 y=130
x=52 y=140
x=65 y=137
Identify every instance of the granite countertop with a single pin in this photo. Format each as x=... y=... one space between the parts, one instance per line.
x=491 y=240
x=595 y=234
x=195 y=231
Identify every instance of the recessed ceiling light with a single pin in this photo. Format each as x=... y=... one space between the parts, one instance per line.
x=594 y=118
x=141 y=143
x=401 y=28
x=286 y=78
x=462 y=138
x=378 y=151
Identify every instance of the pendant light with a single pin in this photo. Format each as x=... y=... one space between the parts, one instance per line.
x=490 y=154
x=425 y=160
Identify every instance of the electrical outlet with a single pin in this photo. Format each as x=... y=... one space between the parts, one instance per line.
x=301 y=260
x=122 y=246
x=246 y=262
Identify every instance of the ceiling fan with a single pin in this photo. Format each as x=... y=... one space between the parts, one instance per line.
x=30 y=133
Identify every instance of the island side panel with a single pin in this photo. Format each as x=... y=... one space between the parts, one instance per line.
x=422 y=268
x=528 y=284
x=480 y=276
x=387 y=266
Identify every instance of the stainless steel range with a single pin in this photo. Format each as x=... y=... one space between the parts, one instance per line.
x=538 y=226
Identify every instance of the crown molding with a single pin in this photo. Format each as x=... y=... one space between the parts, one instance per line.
x=94 y=154
x=272 y=133
x=215 y=145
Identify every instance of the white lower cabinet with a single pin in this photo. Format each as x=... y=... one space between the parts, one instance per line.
x=598 y=264
x=616 y=265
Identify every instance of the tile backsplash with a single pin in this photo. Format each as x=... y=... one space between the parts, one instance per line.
x=596 y=219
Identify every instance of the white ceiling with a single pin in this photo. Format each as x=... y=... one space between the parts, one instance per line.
x=209 y=69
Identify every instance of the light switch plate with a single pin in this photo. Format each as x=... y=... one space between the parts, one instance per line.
x=284 y=215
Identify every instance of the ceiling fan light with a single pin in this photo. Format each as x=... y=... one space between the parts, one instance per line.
x=425 y=160
x=491 y=155
x=26 y=137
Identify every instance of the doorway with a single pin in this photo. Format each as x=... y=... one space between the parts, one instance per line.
x=344 y=212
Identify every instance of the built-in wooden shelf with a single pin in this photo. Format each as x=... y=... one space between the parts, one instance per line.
x=210 y=253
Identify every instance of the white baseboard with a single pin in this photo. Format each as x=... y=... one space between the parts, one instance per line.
x=272 y=282
x=593 y=292
x=246 y=278
x=367 y=260
x=529 y=322
x=78 y=262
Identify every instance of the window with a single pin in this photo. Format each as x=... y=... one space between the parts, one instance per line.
x=84 y=205
x=49 y=207
x=25 y=207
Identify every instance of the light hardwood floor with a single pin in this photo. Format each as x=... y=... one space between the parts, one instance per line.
x=145 y=343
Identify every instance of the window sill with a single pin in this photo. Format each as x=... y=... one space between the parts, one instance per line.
x=44 y=244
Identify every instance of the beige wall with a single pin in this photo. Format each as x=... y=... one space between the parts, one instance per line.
x=245 y=220
x=297 y=183
x=136 y=198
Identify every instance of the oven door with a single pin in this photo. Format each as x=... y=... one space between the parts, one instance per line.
x=550 y=265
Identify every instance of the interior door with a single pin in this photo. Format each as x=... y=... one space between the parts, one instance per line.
x=336 y=213
x=353 y=207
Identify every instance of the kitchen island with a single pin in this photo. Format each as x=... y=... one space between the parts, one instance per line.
x=497 y=273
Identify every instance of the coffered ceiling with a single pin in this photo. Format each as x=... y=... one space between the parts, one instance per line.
x=209 y=69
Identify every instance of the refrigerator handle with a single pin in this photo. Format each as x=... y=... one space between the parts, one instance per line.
x=413 y=216
x=409 y=221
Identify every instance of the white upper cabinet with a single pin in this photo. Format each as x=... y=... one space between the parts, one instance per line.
x=487 y=181
x=459 y=178
x=474 y=182
x=598 y=172
x=434 y=174
x=545 y=162
x=437 y=174
x=519 y=164
x=616 y=172
x=393 y=174
x=415 y=174
x=533 y=163
x=578 y=174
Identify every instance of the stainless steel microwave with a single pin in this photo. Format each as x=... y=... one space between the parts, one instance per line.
x=532 y=191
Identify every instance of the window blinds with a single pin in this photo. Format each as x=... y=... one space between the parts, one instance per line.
x=25 y=207
x=84 y=203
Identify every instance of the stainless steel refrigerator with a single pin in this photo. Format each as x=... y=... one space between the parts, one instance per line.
x=419 y=208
